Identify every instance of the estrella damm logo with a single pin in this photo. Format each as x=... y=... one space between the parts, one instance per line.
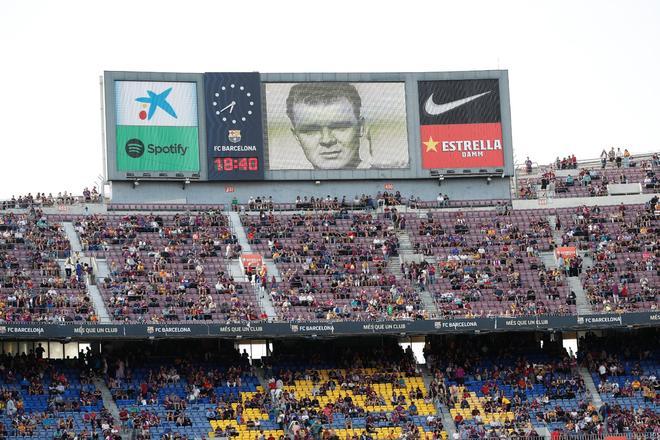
x=135 y=148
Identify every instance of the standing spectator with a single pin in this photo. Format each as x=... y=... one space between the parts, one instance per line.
x=626 y=158
x=441 y=200
x=528 y=165
x=612 y=154
x=603 y=158
x=68 y=267
x=10 y=408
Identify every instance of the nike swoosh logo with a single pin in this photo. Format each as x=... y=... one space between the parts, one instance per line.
x=437 y=109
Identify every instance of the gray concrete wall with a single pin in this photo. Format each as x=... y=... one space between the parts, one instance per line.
x=283 y=192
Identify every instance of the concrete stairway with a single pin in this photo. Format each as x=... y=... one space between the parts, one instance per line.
x=263 y=296
x=99 y=305
x=591 y=387
x=394 y=267
x=543 y=432
x=91 y=282
x=405 y=245
x=108 y=401
x=111 y=406
x=556 y=235
x=272 y=269
x=92 y=289
x=587 y=260
x=235 y=271
x=261 y=375
x=102 y=268
x=428 y=302
x=442 y=412
x=548 y=259
x=72 y=235
x=237 y=228
x=581 y=301
x=406 y=254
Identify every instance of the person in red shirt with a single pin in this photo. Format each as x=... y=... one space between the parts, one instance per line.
x=123 y=416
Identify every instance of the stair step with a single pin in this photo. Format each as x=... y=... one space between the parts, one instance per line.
x=591 y=386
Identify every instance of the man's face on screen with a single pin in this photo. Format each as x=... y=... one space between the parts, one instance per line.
x=329 y=133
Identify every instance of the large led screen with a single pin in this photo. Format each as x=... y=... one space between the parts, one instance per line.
x=460 y=124
x=157 y=126
x=336 y=126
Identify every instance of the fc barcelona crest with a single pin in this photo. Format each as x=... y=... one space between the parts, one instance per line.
x=234 y=136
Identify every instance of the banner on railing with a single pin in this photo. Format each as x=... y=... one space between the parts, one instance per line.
x=566 y=252
x=261 y=329
x=250 y=261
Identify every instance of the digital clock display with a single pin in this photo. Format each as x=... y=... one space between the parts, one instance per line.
x=223 y=164
x=234 y=129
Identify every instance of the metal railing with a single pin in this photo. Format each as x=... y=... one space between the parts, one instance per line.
x=520 y=169
x=47 y=203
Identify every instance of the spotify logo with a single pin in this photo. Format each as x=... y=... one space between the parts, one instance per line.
x=134 y=148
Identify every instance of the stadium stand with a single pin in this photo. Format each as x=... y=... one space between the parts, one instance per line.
x=496 y=386
x=349 y=395
x=337 y=260
x=622 y=241
x=351 y=389
x=34 y=286
x=590 y=179
x=334 y=265
x=168 y=268
x=51 y=399
x=42 y=200
x=487 y=263
x=341 y=264
x=188 y=395
x=626 y=371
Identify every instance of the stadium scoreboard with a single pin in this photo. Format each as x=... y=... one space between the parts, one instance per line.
x=248 y=126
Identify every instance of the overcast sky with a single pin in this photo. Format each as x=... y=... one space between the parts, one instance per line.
x=583 y=74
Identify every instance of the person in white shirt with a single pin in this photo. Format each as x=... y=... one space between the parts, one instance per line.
x=10 y=408
x=441 y=200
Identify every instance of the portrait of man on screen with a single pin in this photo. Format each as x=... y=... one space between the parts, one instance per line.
x=330 y=126
x=326 y=122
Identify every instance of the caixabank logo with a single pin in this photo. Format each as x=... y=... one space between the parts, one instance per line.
x=157 y=126
x=460 y=124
